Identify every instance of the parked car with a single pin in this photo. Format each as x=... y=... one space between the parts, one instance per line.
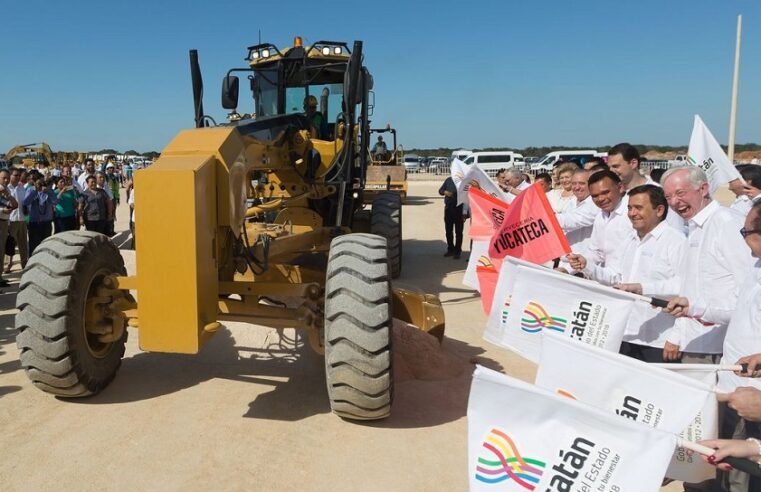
x=412 y=163
x=439 y=165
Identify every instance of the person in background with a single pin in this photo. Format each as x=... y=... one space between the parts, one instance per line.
x=88 y=171
x=546 y=180
x=66 y=208
x=590 y=163
x=515 y=181
x=748 y=192
x=112 y=183
x=131 y=204
x=380 y=150
x=577 y=219
x=17 y=223
x=559 y=198
x=502 y=180
x=94 y=207
x=656 y=173
x=100 y=180
x=624 y=160
x=316 y=119
x=527 y=178
x=40 y=201
x=453 y=218
x=7 y=204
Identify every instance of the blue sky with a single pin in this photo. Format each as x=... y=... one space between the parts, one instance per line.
x=84 y=75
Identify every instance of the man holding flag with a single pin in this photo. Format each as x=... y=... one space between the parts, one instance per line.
x=611 y=228
x=650 y=266
x=715 y=264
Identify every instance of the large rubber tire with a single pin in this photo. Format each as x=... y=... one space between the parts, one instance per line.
x=386 y=221
x=358 y=357
x=57 y=354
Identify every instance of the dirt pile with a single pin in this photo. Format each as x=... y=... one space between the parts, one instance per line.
x=418 y=355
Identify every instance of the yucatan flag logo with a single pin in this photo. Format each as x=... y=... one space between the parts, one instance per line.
x=497 y=216
x=500 y=460
x=535 y=318
x=506 y=309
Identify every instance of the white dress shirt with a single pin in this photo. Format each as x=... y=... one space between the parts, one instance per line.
x=609 y=232
x=744 y=203
x=558 y=202
x=744 y=332
x=716 y=262
x=577 y=220
x=654 y=262
x=18 y=192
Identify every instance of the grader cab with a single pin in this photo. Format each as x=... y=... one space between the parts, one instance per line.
x=251 y=221
x=386 y=171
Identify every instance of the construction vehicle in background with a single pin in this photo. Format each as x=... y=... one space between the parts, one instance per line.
x=30 y=155
x=249 y=221
x=386 y=171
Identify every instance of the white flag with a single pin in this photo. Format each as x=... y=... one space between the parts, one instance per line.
x=474 y=175
x=621 y=385
x=503 y=293
x=523 y=438
x=689 y=467
x=477 y=250
x=458 y=170
x=579 y=309
x=706 y=153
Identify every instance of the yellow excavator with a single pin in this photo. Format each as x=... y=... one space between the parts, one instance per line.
x=30 y=155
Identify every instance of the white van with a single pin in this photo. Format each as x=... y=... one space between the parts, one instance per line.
x=491 y=162
x=548 y=162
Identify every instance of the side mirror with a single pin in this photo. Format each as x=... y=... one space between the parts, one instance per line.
x=230 y=92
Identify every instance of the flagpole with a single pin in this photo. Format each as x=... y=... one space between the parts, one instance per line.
x=733 y=111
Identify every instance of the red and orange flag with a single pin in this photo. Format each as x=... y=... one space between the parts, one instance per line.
x=530 y=230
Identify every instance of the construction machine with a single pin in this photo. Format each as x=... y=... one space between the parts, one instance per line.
x=30 y=155
x=252 y=220
x=386 y=171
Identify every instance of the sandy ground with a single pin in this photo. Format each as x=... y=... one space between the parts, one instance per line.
x=250 y=411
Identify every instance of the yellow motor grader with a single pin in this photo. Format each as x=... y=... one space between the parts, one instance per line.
x=254 y=221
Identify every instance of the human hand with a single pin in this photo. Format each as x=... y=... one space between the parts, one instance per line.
x=577 y=262
x=746 y=401
x=752 y=361
x=561 y=270
x=728 y=447
x=671 y=352
x=677 y=307
x=750 y=191
x=633 y=288
x=448 y=194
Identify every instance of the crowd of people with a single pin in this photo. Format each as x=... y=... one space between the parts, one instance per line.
x=664 y=235
x=37 y=203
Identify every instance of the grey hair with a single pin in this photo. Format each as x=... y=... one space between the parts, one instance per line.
x=514 y=172
x=696 y=176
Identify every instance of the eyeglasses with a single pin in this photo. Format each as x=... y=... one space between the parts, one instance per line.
x=747 y=232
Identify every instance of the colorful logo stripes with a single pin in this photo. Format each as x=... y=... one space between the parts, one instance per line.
x=500 y=461
x=535 y=318
x=506 y=309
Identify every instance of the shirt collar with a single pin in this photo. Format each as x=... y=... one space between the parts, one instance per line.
x=702 y=217
x=620 y=208
x=657 y=231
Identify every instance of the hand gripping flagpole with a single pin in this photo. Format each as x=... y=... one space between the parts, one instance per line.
x=748 y=466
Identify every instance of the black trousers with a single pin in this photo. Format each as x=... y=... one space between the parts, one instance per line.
x=63 y=224
x=97 y=226
x=453 y=223
x=38 y=231
x=642 y=352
